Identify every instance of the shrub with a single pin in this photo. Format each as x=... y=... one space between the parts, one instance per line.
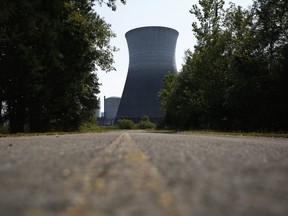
x=89 y=124
x=88 y=127
x=4 y=129
x=125 y=124
x=145 y=123
x=145 y=118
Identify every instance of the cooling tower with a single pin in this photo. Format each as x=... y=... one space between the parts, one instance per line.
x=111 y=105
x=151 y=56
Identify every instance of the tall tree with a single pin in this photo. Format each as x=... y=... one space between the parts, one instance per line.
x=272 y=34
x=200 y=83
x=235 y=77
x=49 y=52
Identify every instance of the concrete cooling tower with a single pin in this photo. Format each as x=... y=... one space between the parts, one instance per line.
x=151 y=56
x=111 y=105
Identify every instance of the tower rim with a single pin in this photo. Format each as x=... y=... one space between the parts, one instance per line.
x=151 y=27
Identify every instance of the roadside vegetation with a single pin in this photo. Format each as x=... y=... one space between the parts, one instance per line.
x=104 y=129
x=236 y=77
x=145 y=123
x=49 y=54
x=236 y=133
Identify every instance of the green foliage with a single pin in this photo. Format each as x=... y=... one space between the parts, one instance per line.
x=4 y=129
x=145 y=118
x=49 y=52
x=125 y=124
x=111 y=3
x=89 y=125
x=235 y=78
x=145 y=123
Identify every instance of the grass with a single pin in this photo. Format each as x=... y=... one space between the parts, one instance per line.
x=83 y=129
x=32 y=134
x=238 y=133
x=92 y=128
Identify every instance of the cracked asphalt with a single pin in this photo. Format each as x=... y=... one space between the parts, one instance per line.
x=141 y=173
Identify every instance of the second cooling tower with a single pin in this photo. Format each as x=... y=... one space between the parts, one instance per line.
x=151 y=56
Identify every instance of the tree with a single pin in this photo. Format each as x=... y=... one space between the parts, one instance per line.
x=202 y=76
x=111 y=3
x=49 y=52
x=272 y=34
x=235 y=77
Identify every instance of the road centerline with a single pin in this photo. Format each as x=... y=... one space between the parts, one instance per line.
x=123 y=177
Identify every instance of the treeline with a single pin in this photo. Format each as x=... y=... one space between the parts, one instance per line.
x=49 y=52
x=237 y=76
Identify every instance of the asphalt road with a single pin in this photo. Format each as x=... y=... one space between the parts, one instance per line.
x=138 y=173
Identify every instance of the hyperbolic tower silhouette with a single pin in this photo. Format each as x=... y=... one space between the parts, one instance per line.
x=151 y=56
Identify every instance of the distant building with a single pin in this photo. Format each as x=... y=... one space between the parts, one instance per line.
x=102 y=115
x=97 y=111
x=111 y=105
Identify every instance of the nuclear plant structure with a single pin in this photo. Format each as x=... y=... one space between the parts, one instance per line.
x=111 y=105
x=151 y=57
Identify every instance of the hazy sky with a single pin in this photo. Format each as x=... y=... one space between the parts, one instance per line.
x=138 y=13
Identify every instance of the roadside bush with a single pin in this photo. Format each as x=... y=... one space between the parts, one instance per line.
x=145 y=123
x=125 y=124
x=4 y=129
x=90 y=125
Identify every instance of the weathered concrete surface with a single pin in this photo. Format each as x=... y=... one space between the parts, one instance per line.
x=151 y=57
x=143 y=174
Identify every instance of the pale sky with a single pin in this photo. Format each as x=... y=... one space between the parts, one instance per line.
x=138 y=13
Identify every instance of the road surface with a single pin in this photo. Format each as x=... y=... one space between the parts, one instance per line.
x=140 y=173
